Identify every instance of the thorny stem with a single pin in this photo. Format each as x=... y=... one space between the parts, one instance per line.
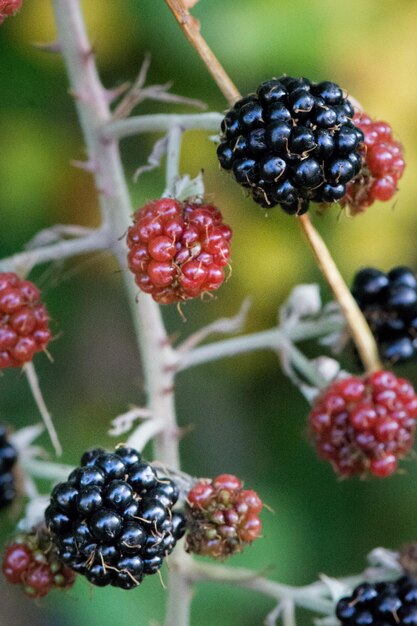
x=156 y=353
x=23 y=262
x=272 y=339
x=361 y=333
x=160 y=123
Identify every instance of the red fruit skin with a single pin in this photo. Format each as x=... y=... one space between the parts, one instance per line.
x=221 y=517
x=370 y=428
x=383 y=166
x=38 y=581
x=178 y=250
x=8 y=8
x=16 y=561
x=24 y=321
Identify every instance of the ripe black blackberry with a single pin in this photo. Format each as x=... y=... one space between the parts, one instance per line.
x=380 y=604
x=112 y=521
x=292 y=142
x=389 y=303
x=8 y=457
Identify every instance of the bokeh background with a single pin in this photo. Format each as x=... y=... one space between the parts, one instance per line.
x=246 y=417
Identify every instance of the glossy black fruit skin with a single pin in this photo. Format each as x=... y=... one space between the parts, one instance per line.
x=380 y=604
x=112 y=521
x=295 y=131
x=8 y=458
x=389 y=303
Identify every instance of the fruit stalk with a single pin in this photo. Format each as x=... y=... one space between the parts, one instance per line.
x=191 y=29
x=361 y=333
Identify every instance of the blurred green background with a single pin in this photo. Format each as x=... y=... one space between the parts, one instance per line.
x=246 y=417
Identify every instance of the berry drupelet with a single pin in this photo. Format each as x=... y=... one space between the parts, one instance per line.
x=178 y=250
x=383 y=165
x=32 y=562
x=365 y=425
x=389 y=303
x=9 y=8
x=222 y=517
x=292 y=142
x=8 y=458
x=112 y=521
x=24 y=321
x=392 y=603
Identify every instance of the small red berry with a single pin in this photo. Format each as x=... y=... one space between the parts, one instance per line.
x=222 y=517
x=383 y=165
x=16 y=562
x=24 y=321
x=371 y=430
x=8 y=8
x=33 y=562
x=177 y=250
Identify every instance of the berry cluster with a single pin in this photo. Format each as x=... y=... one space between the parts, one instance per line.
x=383 y=165
x=8 y=457
x=221 y=517
x=291 y=142
x=177 y=250
x=389 y=303
x=32 y=562
x=365 y=424
x=112 y=521
x=8 y=8
x=384 y=603
x=24 y=320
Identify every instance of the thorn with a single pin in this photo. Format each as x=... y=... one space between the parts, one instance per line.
x=112 y=94
x=87 y=166
x=52 y=47
x=78 y=95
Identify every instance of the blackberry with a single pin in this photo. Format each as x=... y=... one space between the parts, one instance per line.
x=292 y=142
x=32 y=562
x=8 y=458
x=389 y=303
x=365 y=424
x=178 y=250
x=383 y=165
x=112 y=520
x=385 y=603
x=222 y=517
x=24 y=321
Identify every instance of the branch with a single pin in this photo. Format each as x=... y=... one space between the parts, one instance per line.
x=23 y=262
x=156 y=352
x=160 y=123
x=32 y=378
x=272 y=339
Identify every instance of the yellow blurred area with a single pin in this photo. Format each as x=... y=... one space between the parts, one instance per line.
x=105 y=20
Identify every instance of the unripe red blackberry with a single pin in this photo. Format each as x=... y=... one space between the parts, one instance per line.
x=24 y=321
x=389 y=304
x=222 y=517
x=112 y=520
x=365 y=425
x=383 y=165
x=8 y=8
x=292 y=142
x=178 y=250
x=32 y=562
x=387 y=603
